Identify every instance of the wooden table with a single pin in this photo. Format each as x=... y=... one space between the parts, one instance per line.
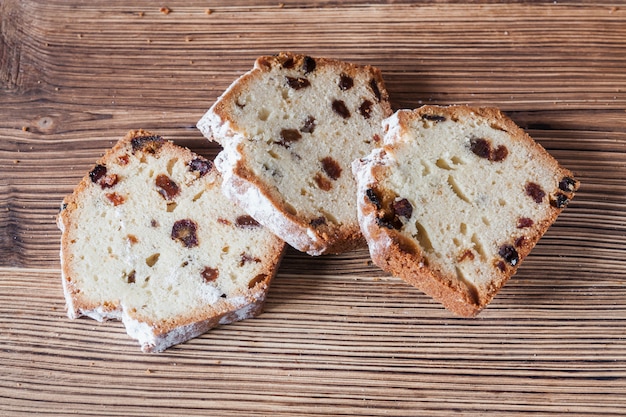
x=337 y=337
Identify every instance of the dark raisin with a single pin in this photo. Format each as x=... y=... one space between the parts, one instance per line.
x=200 y=165
x=535 y=191
x=520 y=241
x=167 y=187
x=501 y=266
x=371 y=195
x=309 y=125
x=345 y=82
x=184 y=231
x=365 y=109
x=376 y=138
x=331 y=168
x=509 y=254
x=375 y=89
x=567 y=184
x=499 y=154
x=254 y=281
x=209 y=274
x=559 y=200
x=322 y=182
x=434 y=118
x=403 y=208
x=154 y=223
x=148 y=144
x=130 y=278
x=480 y=147
x=308 y=64
x=246 y=258
x=297 y=83
x=389 y=222
x=289 y=135
x=524 y=222
x=318 y=221
x=288 y=63
x=340 y=108
x=246 y=222
x=97 y=172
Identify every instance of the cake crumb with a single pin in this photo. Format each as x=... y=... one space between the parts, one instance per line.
x=165 y=10
x=208 y=11
x=148 y=371
x=140 y=14
x=25 y=129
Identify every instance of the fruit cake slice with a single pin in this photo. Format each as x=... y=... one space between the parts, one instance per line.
x=290 y=129
x=455 y=199
x=148 y=238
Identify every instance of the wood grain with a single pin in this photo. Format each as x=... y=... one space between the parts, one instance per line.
x=337 y=337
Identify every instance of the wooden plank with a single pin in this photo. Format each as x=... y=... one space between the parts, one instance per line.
x=337 y=336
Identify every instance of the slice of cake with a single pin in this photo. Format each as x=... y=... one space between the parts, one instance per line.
x=290 y=129
x=455 y=199
x=148 y=238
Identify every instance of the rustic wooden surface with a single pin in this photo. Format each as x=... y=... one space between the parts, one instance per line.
x=337 y=336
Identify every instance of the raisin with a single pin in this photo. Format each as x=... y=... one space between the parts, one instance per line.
x=501 y=266
x=365 y=109
x=309 y=125
x=535 y=191
x=154 y=223
x=345 y=82
x=254 y=281
x=115 y=198
x=524 y=222
x=200 y=165
x=148 y=144
x=375 y=89
x=389 y=222
x=376 y=138
x=288 y=63
x=403 y=208
x=130 y=278
x=434 y=118
x=482 y=148
x=289 y=135
x=509 y=254
x=520 y=241
x=132 y=239
x=322 y=182
x=371 y=195
x=318 y=221
x=108 y=181
x=297 y=83
x=340 y=108
x=184 y=231
x=97 y=173
x=246 y=222
x=308 y=65
x=567 y=184
x=246 y=258
x=499 y=154
x=167 y=187
x=331 y=168
x=209 y=274
x=559 y=200
x=223 y=221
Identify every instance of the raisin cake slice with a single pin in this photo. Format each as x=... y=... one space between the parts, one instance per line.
x=455 y=199
x=148 y=238
x=290 y=129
